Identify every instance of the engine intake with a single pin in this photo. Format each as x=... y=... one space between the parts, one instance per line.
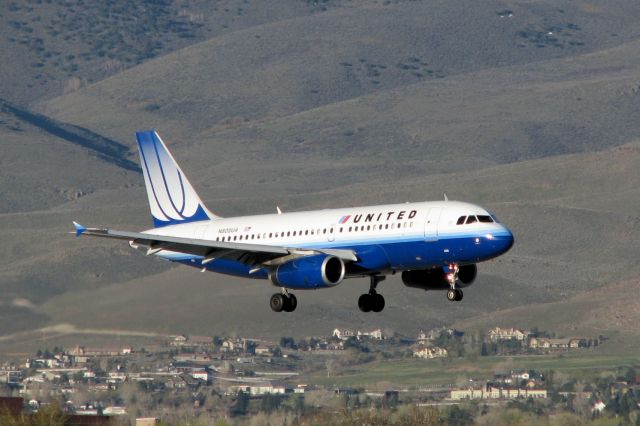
x=309 y=272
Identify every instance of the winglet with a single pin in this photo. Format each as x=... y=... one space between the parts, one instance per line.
x=278 y=209
x=79 y=228
x=445 y=197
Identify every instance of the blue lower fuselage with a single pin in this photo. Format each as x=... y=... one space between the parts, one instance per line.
x=387 y=256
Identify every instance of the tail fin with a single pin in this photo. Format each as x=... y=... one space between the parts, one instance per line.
x=172 y=199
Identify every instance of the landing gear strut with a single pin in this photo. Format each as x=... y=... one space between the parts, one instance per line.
x=284 y=301
x=453 y=294
x=372 y=301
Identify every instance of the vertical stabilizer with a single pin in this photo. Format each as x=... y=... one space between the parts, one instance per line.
x=172 y=199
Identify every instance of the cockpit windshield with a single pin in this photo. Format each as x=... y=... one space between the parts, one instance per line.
x=466 y=220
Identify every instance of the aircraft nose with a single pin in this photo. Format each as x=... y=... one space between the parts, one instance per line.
x=507 y=239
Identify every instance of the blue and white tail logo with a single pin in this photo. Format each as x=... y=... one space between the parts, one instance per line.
x=172 y=199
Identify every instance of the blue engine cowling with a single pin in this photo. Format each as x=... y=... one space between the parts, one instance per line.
x=436 y=279
x=310 y=272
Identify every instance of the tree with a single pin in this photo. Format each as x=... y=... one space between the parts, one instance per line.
x=483 y=350
x=242 y=404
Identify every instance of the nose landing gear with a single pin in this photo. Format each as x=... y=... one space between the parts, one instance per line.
x=453 y=294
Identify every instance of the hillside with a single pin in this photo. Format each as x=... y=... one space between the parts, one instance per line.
x=59 y=47
x=539 y=270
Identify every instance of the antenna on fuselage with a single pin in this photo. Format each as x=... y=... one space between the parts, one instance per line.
x=445 y=197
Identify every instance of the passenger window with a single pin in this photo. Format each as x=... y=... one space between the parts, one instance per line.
x=350 y=229
x=485 y=219
x=306 y=232
x=386 y=226
x=461 y=220
x=324 y=231
x=270 y=235
x=471 y=219
x=341 y=229
x=368 y=227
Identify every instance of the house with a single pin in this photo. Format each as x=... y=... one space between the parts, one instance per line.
x=434 y=334
x=179 y=340
x=263 y=350
x=234 y=345
x=498 y=334
x=343 y=334
x=203 y=375
x=258 y=389
x=375 y=334
x=497 y=392
x=566 y=343
x=430 y=353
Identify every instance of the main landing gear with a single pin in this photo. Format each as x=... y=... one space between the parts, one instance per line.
x=284 y=301
x=372 y=301
x=453 y=294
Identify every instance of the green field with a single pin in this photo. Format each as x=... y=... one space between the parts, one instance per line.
x=419 y=373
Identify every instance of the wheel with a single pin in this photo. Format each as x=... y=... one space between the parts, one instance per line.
x=364 y=302
x=291 y=303
x=459 y=295
x=452 y=295
x=277 y=302
x=378 y=303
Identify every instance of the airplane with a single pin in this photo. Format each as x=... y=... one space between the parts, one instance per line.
x=434 y=245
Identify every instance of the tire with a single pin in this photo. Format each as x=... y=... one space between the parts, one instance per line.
x=277 y=302
x=459 y=295
x=452 y=295
x=378 y=303
x=364 y=303
x=291 y=303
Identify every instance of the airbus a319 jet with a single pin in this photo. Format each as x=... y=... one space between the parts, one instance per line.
x=434 y=245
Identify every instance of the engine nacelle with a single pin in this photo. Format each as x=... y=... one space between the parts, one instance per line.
x=467 y=275
x=426 y=279
x=309 y=272
x=436 y=278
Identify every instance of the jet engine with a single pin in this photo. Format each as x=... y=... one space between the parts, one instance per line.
x=467 y=275
x=309 y=272
x=436 y=278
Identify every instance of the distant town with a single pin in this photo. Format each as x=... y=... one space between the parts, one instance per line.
x=228 y=378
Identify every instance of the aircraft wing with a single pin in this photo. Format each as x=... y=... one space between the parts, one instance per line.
x=250 y=254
